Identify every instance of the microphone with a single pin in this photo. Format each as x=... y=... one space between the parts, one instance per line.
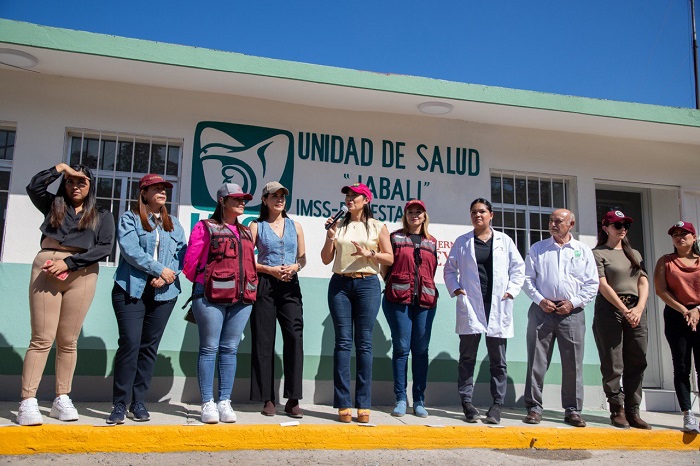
x=343 y=210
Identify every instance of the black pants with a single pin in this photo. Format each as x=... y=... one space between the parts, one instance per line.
x=623 y=354
x=683 y=342
x=141 y=325
x=277 y=300
x=496 y=347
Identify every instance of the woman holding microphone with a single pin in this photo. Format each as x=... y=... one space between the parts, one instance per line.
x=485 y=271
x=357 y=245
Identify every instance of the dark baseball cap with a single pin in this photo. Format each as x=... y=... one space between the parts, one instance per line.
x=151 y=179
x=417 y=202
x=615 y=216
x=681 y=225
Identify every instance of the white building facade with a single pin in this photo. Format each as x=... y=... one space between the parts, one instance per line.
x=198 y=117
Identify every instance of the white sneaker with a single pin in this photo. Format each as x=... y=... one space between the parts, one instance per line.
x=690 y=423
x=29 y=414
x=63 y=409
x=210 y=414
x=226 y=413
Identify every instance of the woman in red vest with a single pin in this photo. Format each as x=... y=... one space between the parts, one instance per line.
x=220 y=261
x=409 y=303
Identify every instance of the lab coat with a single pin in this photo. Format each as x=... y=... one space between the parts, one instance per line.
x=461 y=271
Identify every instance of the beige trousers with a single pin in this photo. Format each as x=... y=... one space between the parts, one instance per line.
x=57 y=309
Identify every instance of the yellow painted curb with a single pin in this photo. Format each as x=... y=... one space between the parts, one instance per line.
x=158 y=439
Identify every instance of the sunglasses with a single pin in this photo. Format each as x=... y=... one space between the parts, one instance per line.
x=621 y=225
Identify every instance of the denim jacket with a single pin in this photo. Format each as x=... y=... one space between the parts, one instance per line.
x=136 y=264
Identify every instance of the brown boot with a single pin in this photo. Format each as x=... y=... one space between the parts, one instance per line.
x=617 y=417
x=636 y=421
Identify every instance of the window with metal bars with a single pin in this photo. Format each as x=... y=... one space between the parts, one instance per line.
x=7 y=152
x=119 y=160
x=523 y=202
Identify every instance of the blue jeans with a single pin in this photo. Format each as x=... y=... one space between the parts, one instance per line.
x=354 y=305
x=220 y=329
x=410 y=332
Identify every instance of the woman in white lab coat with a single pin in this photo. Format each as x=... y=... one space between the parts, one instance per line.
x=485 y=271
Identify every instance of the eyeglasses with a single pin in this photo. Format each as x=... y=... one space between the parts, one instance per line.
x=621 y=225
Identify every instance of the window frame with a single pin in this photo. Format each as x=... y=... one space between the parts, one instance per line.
x=6 y=165
x=125 y=195
x=522 y=235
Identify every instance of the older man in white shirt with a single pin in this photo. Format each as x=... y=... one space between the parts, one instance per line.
x=560 y=278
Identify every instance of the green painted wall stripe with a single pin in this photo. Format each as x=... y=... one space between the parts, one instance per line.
x=34 y=35
x=320 y=368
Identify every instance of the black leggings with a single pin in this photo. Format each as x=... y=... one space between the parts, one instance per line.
x=683 y=342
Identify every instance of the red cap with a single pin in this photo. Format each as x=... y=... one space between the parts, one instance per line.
x=151 y=179
x=615 y=216
x=358 y=188
x=415 y=202
x=681 y=225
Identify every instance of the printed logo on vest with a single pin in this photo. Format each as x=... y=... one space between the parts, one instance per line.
x=249 y=156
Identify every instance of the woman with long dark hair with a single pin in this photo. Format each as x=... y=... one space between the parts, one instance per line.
x=620 y=320
x=485 y=272
x=281 y=255
x=220 y=261
x=357 y=245
x=409 y=303
x=677 y=283
x=75 y=235
x=146 y=286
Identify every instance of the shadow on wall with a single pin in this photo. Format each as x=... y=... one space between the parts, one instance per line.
x=324 y=373
x=188 y=364
x=91 y=369
x=442 y=380
x=10 y=370
x=163 y=377
x=381 y=350
x=381 y=365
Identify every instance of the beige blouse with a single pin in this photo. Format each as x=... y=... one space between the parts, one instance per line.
x=366 y=237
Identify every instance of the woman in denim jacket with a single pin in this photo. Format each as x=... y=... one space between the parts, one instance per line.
x=152 y=246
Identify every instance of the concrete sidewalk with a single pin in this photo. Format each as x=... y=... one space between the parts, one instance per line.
x=176 y=427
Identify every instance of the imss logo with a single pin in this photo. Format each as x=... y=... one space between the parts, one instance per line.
x=249 y=156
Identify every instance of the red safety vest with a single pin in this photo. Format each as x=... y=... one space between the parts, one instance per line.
x=230 y=275
x=409 y=282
